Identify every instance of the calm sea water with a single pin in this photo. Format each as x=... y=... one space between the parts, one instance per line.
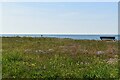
x=81 y=37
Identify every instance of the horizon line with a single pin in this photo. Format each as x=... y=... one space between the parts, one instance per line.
x=68 y=33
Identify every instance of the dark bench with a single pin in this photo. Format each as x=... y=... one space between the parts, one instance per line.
x=107 y=38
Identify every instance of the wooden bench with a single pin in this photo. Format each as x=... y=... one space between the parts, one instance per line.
x=107 y=38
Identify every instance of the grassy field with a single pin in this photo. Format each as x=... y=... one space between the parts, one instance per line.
x=52 y=58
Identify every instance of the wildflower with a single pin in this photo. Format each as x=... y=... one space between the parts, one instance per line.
x=77 y=63
x=116 y=56
x=81 y=63
x=44 y=67
x=13 y=76
x=100 y=52
x=33 y=64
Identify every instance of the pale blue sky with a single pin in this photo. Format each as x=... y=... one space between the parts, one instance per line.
x=72 y=17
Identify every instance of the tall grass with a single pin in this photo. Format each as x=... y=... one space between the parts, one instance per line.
x=52 y=58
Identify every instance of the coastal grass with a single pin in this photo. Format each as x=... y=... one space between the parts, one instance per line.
x=53 y=58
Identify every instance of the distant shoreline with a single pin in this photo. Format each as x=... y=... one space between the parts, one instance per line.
x=53 y=38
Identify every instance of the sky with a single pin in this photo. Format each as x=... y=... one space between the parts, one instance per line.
x=60 y=17
x=59 y=0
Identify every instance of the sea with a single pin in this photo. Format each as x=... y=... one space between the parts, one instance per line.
x=71 y=36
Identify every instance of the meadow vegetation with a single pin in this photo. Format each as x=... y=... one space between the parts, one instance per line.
x=52 y=58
